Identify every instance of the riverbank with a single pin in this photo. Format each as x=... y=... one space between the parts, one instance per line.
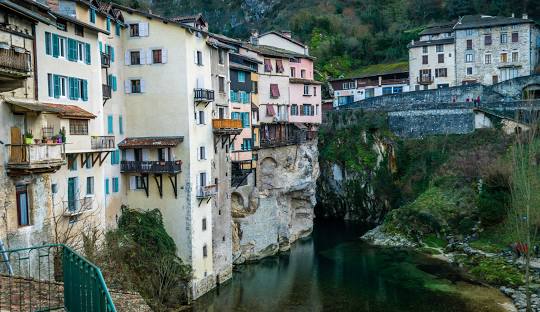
x=496 y=269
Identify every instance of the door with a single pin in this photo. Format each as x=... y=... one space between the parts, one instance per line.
x=72 y=186
x=22 y=205
x=221 y=113
x=17 y=150
x=495 y=79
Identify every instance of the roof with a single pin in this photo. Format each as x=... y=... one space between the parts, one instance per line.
x=237 y=66
x=78 y=22
x=477 y=21
x=245 y=57
x=438 y=28
x=218 y=44
x=277 y=33
x=24 y=11
x=188 y=18
x=62 y=110
x=304 y=81
x=275 y=52
x=151 y=142
x=226 y=39
x=377 y=70
x=423 y=43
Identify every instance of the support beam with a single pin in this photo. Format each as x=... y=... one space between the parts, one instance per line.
x=159 y=182
x=102 y=159
x=145 y=183
x=174 y=184
x=95 y=158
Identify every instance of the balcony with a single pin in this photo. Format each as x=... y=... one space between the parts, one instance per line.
x=76 y=207
x=424 y=80
x=227 y=126
x=206 y=191
x=14 y=68
x=35 y=158
x=155 y=167
x=105 y=60
x=203 y=95
x=106 y=142
x=106 y=89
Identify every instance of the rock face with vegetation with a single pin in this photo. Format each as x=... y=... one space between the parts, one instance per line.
x=279 y=209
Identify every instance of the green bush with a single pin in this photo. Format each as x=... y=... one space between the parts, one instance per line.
x=494 y=271
x=493 y=199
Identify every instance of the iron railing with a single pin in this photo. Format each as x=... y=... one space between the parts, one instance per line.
x=51 y=277
x=73 y=207
x=105 y=60
x=204 y=95
x=15 y=59
x=206 y=191
x=103 y=142
x=128 y=166
x=424 y=79
x=107 y=91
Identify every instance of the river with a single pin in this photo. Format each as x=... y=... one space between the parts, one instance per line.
x=335 y=271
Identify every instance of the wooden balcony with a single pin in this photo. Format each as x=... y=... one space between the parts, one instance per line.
x=103 y=143
x=206 y=191
x=147 y=166
x=203 y=95
x=227 y=126
x=424 y=80
x=74 y=207
x=35 y=158
x=107 y=92
x=15 y=62
x=105 y=60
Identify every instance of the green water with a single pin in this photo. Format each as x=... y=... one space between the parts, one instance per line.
x=334 y=271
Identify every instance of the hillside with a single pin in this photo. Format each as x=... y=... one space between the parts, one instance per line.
x=344 y=35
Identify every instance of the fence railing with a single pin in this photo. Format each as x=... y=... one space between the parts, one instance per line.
x=34 y=154
x=227 y=124
x=103 y=142
x=128 y=166
x=204 y=95
x=51 y=277
x=206 y=191
x=14 y=59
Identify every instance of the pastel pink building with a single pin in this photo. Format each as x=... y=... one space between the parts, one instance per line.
x=304 y=92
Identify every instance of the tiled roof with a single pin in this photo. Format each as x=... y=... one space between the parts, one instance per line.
x=304 y=81
x=151 y=142
x=62 y=110
x=430 y=42
x=274 y=52
x=476 y=21
x=277 y=33
x=438 y=28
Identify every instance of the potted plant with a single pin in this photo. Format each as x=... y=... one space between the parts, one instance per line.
x=63 y=135
x=28 y=138
x=58 y=139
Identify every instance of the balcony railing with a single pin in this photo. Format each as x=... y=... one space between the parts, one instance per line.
x=105 y=60
x=75 y=207
x=103 y=142
x=127 y=166
x=15 y=59
x=106 y=91
x=36 y=156
x=206 y=191
x=204 y=95
x=227 y=126
x=424 y=80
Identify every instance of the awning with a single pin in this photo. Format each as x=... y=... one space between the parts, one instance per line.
x=150 y=142
x=270 y=110
x=62 y=110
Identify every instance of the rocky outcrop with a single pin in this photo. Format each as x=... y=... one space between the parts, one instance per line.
x=276 y=208
x=378 y=237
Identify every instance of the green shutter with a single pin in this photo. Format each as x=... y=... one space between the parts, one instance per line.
x=114 y=83
x=55 y=45
x=92 y=15
x=100 y=46
x=111 y=53
x=84 y=90
x=71 y=91
x=88 y=54
x=110 y=129
x=108 y=24
x=120 y=124
x=117 y=26
x=47 y=43
x=56 y=86
x=77 y=94
x=72 y=50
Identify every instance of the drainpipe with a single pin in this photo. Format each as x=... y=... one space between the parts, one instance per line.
x=5 y=258
x=34 y=49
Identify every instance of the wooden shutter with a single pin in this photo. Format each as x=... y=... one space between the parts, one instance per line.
x=88 y=58
x=143 y=88
x=16 y=148
x=55 y=45
x=143 y=29
x=142 y=56
x=149 y=59
x=164 y=56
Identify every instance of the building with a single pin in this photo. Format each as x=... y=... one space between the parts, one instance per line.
x=374 y=80
x=474 y=49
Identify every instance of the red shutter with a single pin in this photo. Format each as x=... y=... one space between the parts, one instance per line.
x=270 y=110
x=279 y=66
x=267 y=65
x=274 y=90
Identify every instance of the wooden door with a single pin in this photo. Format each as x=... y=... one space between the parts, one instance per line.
x=17 y=148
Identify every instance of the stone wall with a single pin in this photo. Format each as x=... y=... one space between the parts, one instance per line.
x=430 y=122
x=276 y=208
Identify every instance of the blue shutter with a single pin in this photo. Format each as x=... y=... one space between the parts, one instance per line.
x=76 y=89
x=72 y=49
x=88 y=54
x=55 y=45
x=115 y=184
x=111 y=53
x=100 y=46
x=47 y=43
x=56 y=79
x=71 y=89
x=245 y=120
x=110 y=129
x=120 y=124
x=92 y=15
x=117 y=29
x=108 y=24
x=114 y=86
x=84 y=91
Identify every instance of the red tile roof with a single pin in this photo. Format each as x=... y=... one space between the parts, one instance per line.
x=151 y=142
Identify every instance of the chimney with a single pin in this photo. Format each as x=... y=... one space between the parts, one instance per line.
x=286 y=33
x=254 y=38
x=525 y=16
x=513 y=15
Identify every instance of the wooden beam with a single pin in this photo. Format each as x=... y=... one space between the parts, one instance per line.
x=102 y=159
x=159 y=182
x=145 y=183
x=174 y=184
x=95 y=158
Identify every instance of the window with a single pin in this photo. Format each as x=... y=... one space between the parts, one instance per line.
x=439 y=48
x=23 y=211
x=386 y=90
x=241 y=76
x=117 y=29
x=307 y=110
x=274 y=91
x=120 y=124
x=107 y=190
x=79 y=30
x=424 y=59
x=267 y=66
x=61 y=24
x=352 y=85
x=200 y=118
x=303 y=73
x=487 y=59
x=345 y=86
x=504 y=57
x=306 y=90
x=88 y=162
x=135 y=86
x=487 y=40
x=469 y=32
x=469 y=44
x=469 y=71
x=92 y=15
x=199 y=58
x=72 y=162
x=157 y=56
x=315 y=91
x=108 y=24
x=279 y=66
x=469 y=58
x=139 y=183
x=370 y=92
x=344 y=100
x=221 y=56
x=134 y=30
x=110 y=127
x=204 y=224
x=440 y=58
x=115 y=157
x=425 y=49
x=441 y=72
x=221 y=83
x=293 y=72
x=135 y=58
x=80 y=52
x=244 y=116
x=254 y=87
x=294 y=110
x=205 y=251
x=515 y=56
x=202 y=153
x=515 y=37
x=246 y=145
x=78 y=127
x=115 y=185
x=90 y=186
x=504 y=38
x=61 y=47
x=394 y=90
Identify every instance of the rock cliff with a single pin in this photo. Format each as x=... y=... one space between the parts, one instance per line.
x=276 y=207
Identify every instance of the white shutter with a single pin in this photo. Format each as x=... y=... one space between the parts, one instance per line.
x=132 y=183
x=142 y=54
x=198 y=182
x=143 y=29
x=203 y=152
x=142 y=86
x=130 y=155
x=127 y=86
x=164 y=55
x=145 y=154
x=199 y=153
x=195 y=56
x=149 y=57
x=127 y=58
x=200 y=83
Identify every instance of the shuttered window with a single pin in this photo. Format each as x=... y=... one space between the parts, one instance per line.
x=274 y=90
x=115 y=185
x=110 y=124
x=267 y=65
x=245 y=119
x=92 y=16
x=107 y=186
